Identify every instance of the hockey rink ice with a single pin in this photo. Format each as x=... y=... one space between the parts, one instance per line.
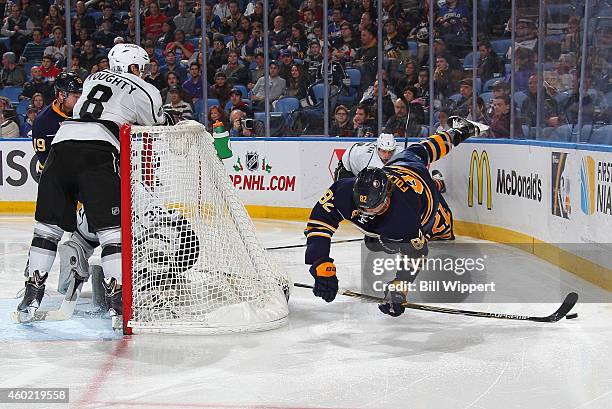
x=342 y=355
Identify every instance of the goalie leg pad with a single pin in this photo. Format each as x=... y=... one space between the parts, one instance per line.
x=72 y=261
x=43 y=248
x=110 y=240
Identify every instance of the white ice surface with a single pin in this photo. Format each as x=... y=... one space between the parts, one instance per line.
x=339 y=355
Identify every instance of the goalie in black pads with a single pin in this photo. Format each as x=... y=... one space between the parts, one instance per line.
x=83 y=164
x=398 y=207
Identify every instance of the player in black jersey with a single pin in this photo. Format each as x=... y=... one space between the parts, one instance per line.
x=398 y=208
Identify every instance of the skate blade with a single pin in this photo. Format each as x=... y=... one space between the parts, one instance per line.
x=117 y=322
x=22 y=317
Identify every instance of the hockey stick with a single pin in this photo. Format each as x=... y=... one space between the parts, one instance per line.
x=63 y=313
x=296 y=246
x=562 y=311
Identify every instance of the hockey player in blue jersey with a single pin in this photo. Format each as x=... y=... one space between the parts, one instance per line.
x=397 y=207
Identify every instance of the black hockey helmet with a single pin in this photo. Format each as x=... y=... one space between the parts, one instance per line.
x=371 y=188
x=68 y=82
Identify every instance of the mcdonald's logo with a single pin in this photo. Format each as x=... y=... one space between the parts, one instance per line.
x=481 y=163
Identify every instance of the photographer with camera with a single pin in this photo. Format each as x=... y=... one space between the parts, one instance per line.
x=244 y=126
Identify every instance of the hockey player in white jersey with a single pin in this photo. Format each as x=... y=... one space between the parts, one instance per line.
x=83 y=163
x=362 y=155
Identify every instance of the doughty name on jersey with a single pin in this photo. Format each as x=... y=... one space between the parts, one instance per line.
x=113 y=79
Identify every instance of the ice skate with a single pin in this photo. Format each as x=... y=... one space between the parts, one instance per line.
x=114 y=301
x=464 y=128
x=34 y=292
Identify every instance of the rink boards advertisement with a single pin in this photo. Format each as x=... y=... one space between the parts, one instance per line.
x=530 y=192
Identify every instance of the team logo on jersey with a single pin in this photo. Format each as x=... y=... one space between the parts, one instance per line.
x=115 y=211
x=481 y=164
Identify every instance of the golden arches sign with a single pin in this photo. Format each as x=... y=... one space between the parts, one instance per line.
x=481 y=163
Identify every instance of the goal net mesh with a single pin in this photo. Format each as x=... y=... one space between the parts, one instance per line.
x=196 y=264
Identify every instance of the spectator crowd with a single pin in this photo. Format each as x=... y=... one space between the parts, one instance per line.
x=34 y=51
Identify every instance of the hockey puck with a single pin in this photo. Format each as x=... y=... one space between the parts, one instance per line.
x=571 y=316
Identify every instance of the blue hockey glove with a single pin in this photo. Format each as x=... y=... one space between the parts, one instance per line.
x=326 y=282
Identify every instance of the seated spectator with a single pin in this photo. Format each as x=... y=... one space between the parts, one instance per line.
x=154 y=53
x=53 y=19
x=232 y=21
x=258 y=71
x=370 y=97
x=108 y=13
x=297 y=84
x=185 y=19
x=366 y=21
x=481 y=111
x=500 y=89
x=234 y=70
x=9 y=128
x=213 y=22
x=102 y=64
x=490 y=64
x=443 y=83
x=422 y=85
x=218 y=56
x=315 y=7
x=255 y=44
x=220 y=89
x=286 y=62
x=217 y=114
x=561 y=78
x=243 y=126
x=308 y=21
x=239 y=42
x=335 y=22
x=48 y=68
x=345 y=45
x=526 y=37
x=452 y=21
x=75 y=66
x=171 y=65
x=500 y=122
x=176 y=104
x=279 y=34
x=398 y=122
x=155 y=77
x=569 y=109
x=58 y=48
x=443 y=124
x=172 y=80
x=105 y=37
x=390 y=10
x=167 y=35
x=89 y=55
x=410 y=77
x=363 y=125
x=571 y=42
x=153 y=22
x=193 y=85
x=130 y=33
x=341 y=126
x=11 y=73
x=182 y=48
x=17 y=26
x=440 y=50
x=284 y=9
x=524 y=68
x=38 y=85
x=236 y=102
x=171 y=9
x=221 y=9
x=460 y=107
x=38 y=101
x=276 y=88
x=258 y=13
x=82 y=37
x=297 y=43
x=26 y=128
x=414 y=109
x=314 y=59
x=529 y=110
x=87 y=21
x=394 y=40
x=34 y=50
x=365 y=58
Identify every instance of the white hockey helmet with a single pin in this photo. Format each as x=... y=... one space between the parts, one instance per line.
x=122 y=56
x=386 y=142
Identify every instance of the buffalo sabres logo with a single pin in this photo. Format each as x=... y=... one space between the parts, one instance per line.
x=376 y=184
x=252 y=161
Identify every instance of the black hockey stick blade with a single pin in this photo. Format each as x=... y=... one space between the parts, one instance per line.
x=566 y=306
x=570 y=300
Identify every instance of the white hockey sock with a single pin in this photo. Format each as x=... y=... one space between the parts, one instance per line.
x=43 y=248
x=110 y=240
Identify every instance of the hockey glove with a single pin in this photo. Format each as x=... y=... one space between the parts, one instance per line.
x=326 y=282
x=394 y=299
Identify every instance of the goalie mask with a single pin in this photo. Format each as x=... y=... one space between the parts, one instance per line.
x=371 y=189
x=122 y=56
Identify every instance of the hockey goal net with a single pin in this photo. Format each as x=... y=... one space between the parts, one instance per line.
x=191 y=260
